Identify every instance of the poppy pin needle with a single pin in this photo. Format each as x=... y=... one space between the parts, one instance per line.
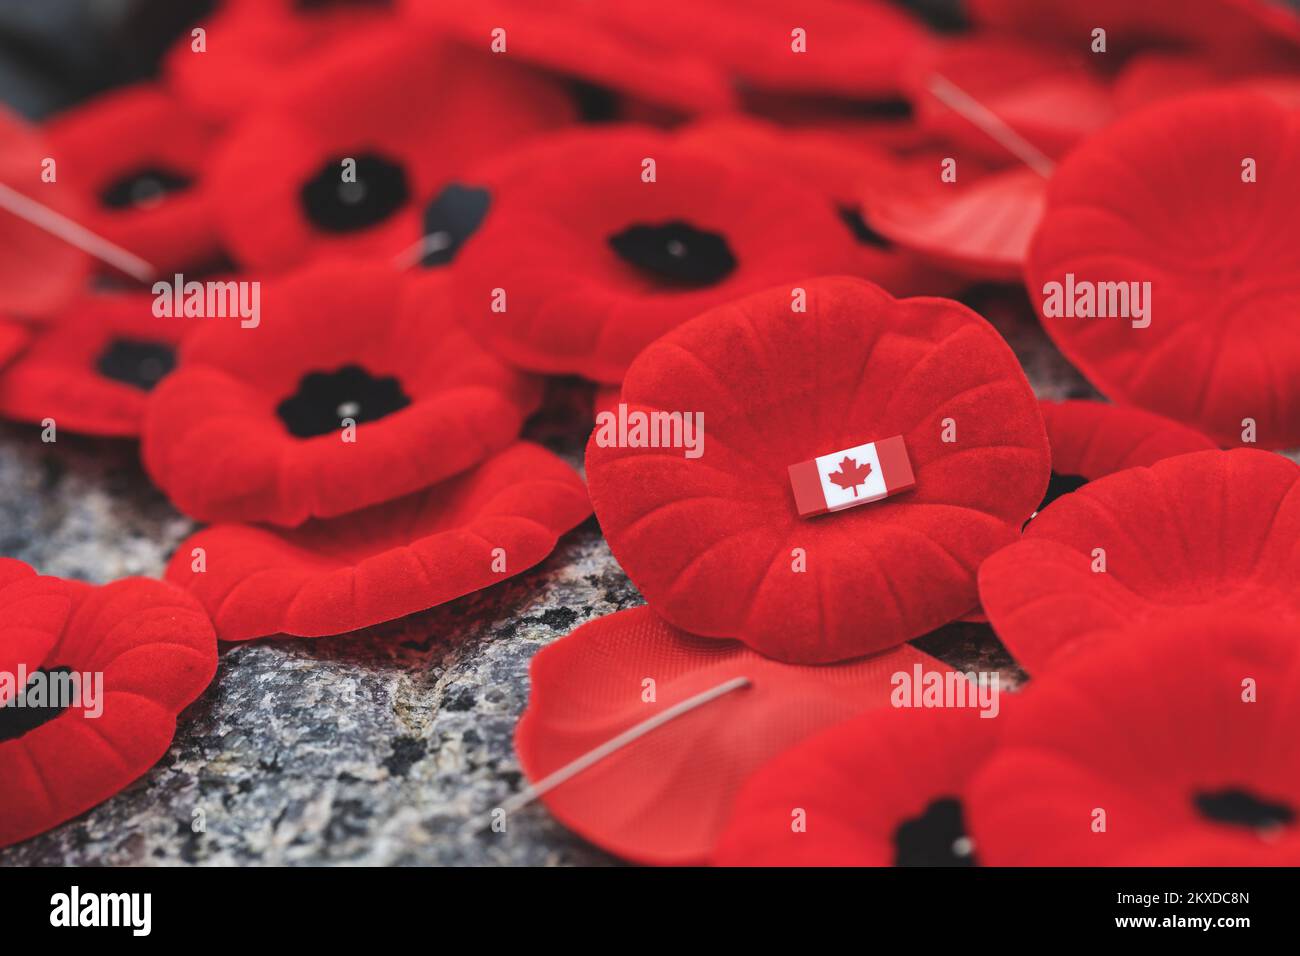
x=73 y=233
x=426 y=245
x=614 y=744
x=965 y=105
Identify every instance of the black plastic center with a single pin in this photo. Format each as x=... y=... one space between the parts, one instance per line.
x=675 y=252
x=143 y=188
x=136 y=362
x=936 y=838
x=379 y=190
x=28 y=710
x=325 y=399
x=1242 y=808
x=453 y=216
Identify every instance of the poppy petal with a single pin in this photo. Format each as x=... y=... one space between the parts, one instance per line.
x=1158 y=206
x=333 y=576
x=156 y=651
x=712 y=541
x=35 y=610
x=664 y=798
x=1176 y=747
x=251 y=425
x=881 y=789
x=1203 y=531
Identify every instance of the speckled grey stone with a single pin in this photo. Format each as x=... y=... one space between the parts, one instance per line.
x=388 y=746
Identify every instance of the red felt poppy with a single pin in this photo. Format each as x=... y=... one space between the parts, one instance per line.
x=327 y=577
x=848 y=48
x=1152 y=77
x=35 y=610
x=287 y=191
x=665 y=797
x=716 y=543
x=253 y=426
x=581 y=262
x=251 y=47
x=1167 y=269
x=1177 y=747
x=13 y=337
x=1049 y=97
x=882 y=789
x=91 y=369
x=1090 y=440
x=136 y=157
x=140 y=651
x=1206 y=531
x=576 y=38
x=39 y=273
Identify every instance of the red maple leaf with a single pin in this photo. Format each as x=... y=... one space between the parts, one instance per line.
x=850 y=474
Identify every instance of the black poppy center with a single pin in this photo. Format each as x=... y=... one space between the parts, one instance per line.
x=143 y=188
x=325 y=399
x=454 y=215
x=1241 y=808
x=336 y=201
x=935 y=838
x=136 y=362
x=675 y=252
x=862 y=232
x=324 y=6
x=28 y=709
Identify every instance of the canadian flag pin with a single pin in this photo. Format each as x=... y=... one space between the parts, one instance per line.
x=852 y=476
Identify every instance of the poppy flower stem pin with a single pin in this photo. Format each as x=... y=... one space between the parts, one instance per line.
x=614 y=744
x=965 y=105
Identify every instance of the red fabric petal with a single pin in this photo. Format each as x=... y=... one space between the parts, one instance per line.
x=13 y=338
x=1158 y=197
x=1143 y=730
x=1094 y=439
x=665 y=798
x=1206 y=531
x=35 y=610
x=355 y=103
x=385 y=562
x=156 y=651
x=709 y=540
x=61 y=375
x=38 y=273
x=572 y=304
x=121 y=134
x=857 y=783
x=214 y=442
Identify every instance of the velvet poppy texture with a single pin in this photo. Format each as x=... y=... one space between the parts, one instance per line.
x=664 y=798
x=342 y=397
x=1210 y=531
x=716 y=544
x=35 y=610
x=882 y=789
x=137 y=158
x=1167 y=269
x=1177 y=746
x=59 y=757
x=584 y=259
x=336 y=163
x=384 y=562
x=92 y=367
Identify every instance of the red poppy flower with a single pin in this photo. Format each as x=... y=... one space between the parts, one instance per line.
x=1155 y=212
x=1090 y=440
x=664 y=798
x=137 y=156
x=91 y=369
x=251 y=47
x=13 y=337
x=1177 y=747
x=1152 y=77
x=253 y=424
x=284 y=192
x=579 y=39
x=882 y=789
x=384 y=562
x=39 y=273
x=140 y=651
x=1206 y=531
x=580 y=263
x=36 y=609
x=1047 y=96
x=850 y=49
x=715 y=543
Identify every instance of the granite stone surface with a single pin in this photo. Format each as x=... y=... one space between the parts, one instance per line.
x=387 y=746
